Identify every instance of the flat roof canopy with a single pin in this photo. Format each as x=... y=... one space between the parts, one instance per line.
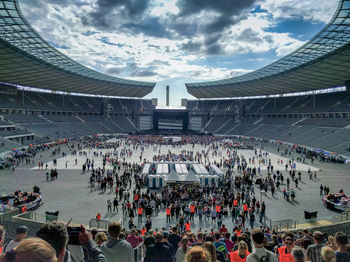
x=323 y=62
x=27 y=59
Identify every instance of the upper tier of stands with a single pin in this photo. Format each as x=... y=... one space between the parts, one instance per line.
x=332 y=102
x=68 y=103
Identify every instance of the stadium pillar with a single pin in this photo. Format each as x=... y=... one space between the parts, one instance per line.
x=313 y=101
x=167 y=95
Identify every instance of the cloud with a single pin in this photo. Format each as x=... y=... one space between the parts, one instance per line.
x=107 y=12
x=144 y=73
x=311 y=10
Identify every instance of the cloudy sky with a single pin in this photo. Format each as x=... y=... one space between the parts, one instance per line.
x=177 y=41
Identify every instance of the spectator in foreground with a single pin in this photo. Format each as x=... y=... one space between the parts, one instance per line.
x=209 y=246
x=181 y=251
x=30 y=250
x=21 y=233
x=313 y=252
x=100 y=238
x=158 y=252
x=298 y=254
x=241 y=254
x=342 y=254
x=198 y=254
x=115 y=249
x=328 y=254
x=260 y=252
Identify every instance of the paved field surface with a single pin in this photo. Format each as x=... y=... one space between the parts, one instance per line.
x=70 y=193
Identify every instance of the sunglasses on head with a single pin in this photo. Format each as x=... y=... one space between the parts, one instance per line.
x=243 y=248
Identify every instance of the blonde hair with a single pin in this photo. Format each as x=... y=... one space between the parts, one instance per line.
x=328 y=254
x=198 y=254
x=100 y=238
x=32 y=250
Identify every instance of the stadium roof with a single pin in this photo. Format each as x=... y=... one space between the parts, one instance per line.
x=27 y=59
x=323 y=62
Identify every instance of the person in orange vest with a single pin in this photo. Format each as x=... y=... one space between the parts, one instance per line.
x=188 y=226
x=241 y=254
x=238 y=231
x=139 y=212
x=168 y=212
x=218 y=209
x=245 y=209
x=193 y=209
x=98 y=217
x=284 y=252
x=24 y=209
x=143 y=231
x=235 y=203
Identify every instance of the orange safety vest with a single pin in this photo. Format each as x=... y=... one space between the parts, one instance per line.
x=238 y=233
x=188 y=226
x=24 y=209
x=167 y=211
x=98 y=217
x=139 y=210
x=143 y=231
x=283 y=256
x=218 y=209
x=192 y=208
x=136 y=197
x=236 y=258
x=235 y=203
x=245 y=207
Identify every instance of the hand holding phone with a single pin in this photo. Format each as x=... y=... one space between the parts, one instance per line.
x=84 y=236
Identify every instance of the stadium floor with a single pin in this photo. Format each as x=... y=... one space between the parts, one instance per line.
x=71 y=195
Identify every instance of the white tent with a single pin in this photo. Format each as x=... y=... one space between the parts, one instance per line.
x=191 y=177
x=172 y=177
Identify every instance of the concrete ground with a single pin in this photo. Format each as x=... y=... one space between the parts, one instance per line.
x=70 y=193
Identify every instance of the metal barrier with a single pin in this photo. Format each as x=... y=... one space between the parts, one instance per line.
x=139 y=252
x=342 y=217
x=99 y=224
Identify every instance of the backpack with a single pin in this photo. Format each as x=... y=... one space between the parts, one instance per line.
x=263 y=258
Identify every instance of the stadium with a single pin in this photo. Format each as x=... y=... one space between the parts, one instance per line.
x=268 y=149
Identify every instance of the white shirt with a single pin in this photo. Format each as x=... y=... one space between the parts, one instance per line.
x=11 y=245
x=260 y=252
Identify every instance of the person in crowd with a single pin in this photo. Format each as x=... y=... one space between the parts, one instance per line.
x=209 y=246
x=158 y=252
x=298 y=254
x=259 y=251
x=343 y=251
x=116 y=249
x=2 y=238
x=30 y=250
x=241 y=254
x=313 y=252
x=21 y=234
x=149 y=240
x=174 y=239
x=285 y=251
x=328 y=254
x=133 y=239
x=198 y=254
x=100 y=238
x=181 y=251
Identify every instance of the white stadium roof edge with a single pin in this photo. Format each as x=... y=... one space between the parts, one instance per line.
x=321 y=63
x=26 y=59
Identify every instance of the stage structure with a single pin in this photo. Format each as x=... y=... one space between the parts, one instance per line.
x=159 y=174
x=170 y=119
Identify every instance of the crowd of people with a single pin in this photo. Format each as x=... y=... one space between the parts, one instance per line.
x=53 y=243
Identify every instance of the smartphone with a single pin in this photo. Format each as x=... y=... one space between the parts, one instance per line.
x=73 y=235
